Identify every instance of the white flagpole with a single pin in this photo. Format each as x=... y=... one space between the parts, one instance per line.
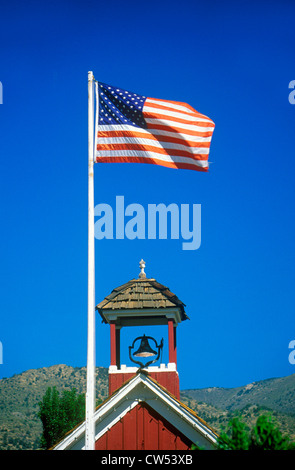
x=90 y=390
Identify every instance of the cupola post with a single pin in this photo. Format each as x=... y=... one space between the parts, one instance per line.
x=172 y=341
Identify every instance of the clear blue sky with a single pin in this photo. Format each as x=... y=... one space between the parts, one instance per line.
x=232 y=61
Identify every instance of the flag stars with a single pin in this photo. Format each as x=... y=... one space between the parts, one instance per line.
x=120 y=106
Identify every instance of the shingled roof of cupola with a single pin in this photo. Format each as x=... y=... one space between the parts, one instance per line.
x=139 y=294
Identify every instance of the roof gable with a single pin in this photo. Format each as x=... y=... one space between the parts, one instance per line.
x=142 y=388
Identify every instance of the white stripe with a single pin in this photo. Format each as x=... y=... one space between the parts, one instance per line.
x=159 y=112
x=170 y=104
x=145 y=132
x=121 y=127
x=180 y=125
x=153 y=143
x=158 y=156
x=178 y=135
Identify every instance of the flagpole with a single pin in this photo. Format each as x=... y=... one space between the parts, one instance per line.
x=90 y=390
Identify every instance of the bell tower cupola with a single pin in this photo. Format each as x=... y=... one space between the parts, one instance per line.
x=143 y=302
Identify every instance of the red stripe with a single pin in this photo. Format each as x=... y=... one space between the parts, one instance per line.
x=149 y=148
x=176 y=110
x=153 y=161
x=162 y=127
x=147 y=114
x=153 y=137
x=178 y=103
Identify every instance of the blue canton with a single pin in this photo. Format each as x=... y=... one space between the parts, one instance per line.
x=118 y=106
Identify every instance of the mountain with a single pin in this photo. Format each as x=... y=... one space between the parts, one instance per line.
x=277 y=394
x=20 y=427
x=218 y=405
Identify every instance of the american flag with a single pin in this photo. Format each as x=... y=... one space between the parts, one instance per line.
x=134 y=128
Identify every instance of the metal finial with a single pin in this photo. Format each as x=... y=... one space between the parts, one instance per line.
x=142 y=274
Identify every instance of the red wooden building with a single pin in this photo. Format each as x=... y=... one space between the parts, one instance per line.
x=143 y=410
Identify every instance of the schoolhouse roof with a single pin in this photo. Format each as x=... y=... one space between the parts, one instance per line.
x=143 y=388
x=141 y=294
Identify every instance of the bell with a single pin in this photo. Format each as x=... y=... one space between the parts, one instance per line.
x=144 y=349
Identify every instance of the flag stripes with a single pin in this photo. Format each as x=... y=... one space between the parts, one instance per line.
x=174 y=134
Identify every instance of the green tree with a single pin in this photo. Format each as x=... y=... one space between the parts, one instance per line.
x=235 y=438
x=59 y=414
x=265 y=435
